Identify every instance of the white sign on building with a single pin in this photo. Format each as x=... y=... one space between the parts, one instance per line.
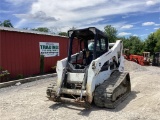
x=49 y=49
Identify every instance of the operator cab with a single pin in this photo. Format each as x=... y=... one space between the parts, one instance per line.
x=85 y=46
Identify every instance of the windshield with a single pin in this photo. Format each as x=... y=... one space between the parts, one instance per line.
x=98 y=46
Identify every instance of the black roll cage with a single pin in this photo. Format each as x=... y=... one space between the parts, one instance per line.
x=85 y=35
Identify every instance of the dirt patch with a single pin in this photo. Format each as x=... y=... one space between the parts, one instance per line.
x=132 y=66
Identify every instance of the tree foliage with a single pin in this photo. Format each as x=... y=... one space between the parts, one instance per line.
x=134 y=44
x=111 y=33
x=150 y=43
x=157 y=37
x=137 y=46
x=6 y=23
x=63 y=34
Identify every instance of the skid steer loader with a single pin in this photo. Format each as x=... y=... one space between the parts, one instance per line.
x=92 y=72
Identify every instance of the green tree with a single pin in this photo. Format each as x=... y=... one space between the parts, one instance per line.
x=157 y=37
x=6 y=23
x=111 y=33
x=63 y=34
x=42 y=29
x=157 y=48
x=150 y=43
x=134 y=44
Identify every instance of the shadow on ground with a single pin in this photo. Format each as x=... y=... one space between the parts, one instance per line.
x=86 y=112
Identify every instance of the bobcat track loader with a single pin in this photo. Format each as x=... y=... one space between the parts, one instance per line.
x=92 y=72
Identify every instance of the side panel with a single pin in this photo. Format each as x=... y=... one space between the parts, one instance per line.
x=96 y=77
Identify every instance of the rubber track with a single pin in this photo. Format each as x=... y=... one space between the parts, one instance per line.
x=50 y=90
x=118 y=85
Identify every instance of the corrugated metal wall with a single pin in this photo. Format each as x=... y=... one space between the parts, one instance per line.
x=20 y=52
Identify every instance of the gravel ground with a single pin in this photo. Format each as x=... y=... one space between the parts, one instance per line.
x=28 y=101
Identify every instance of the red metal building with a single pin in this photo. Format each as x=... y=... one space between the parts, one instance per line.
x=20 y=51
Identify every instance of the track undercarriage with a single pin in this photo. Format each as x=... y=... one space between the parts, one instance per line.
x=113 y=91
x=109 y=94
